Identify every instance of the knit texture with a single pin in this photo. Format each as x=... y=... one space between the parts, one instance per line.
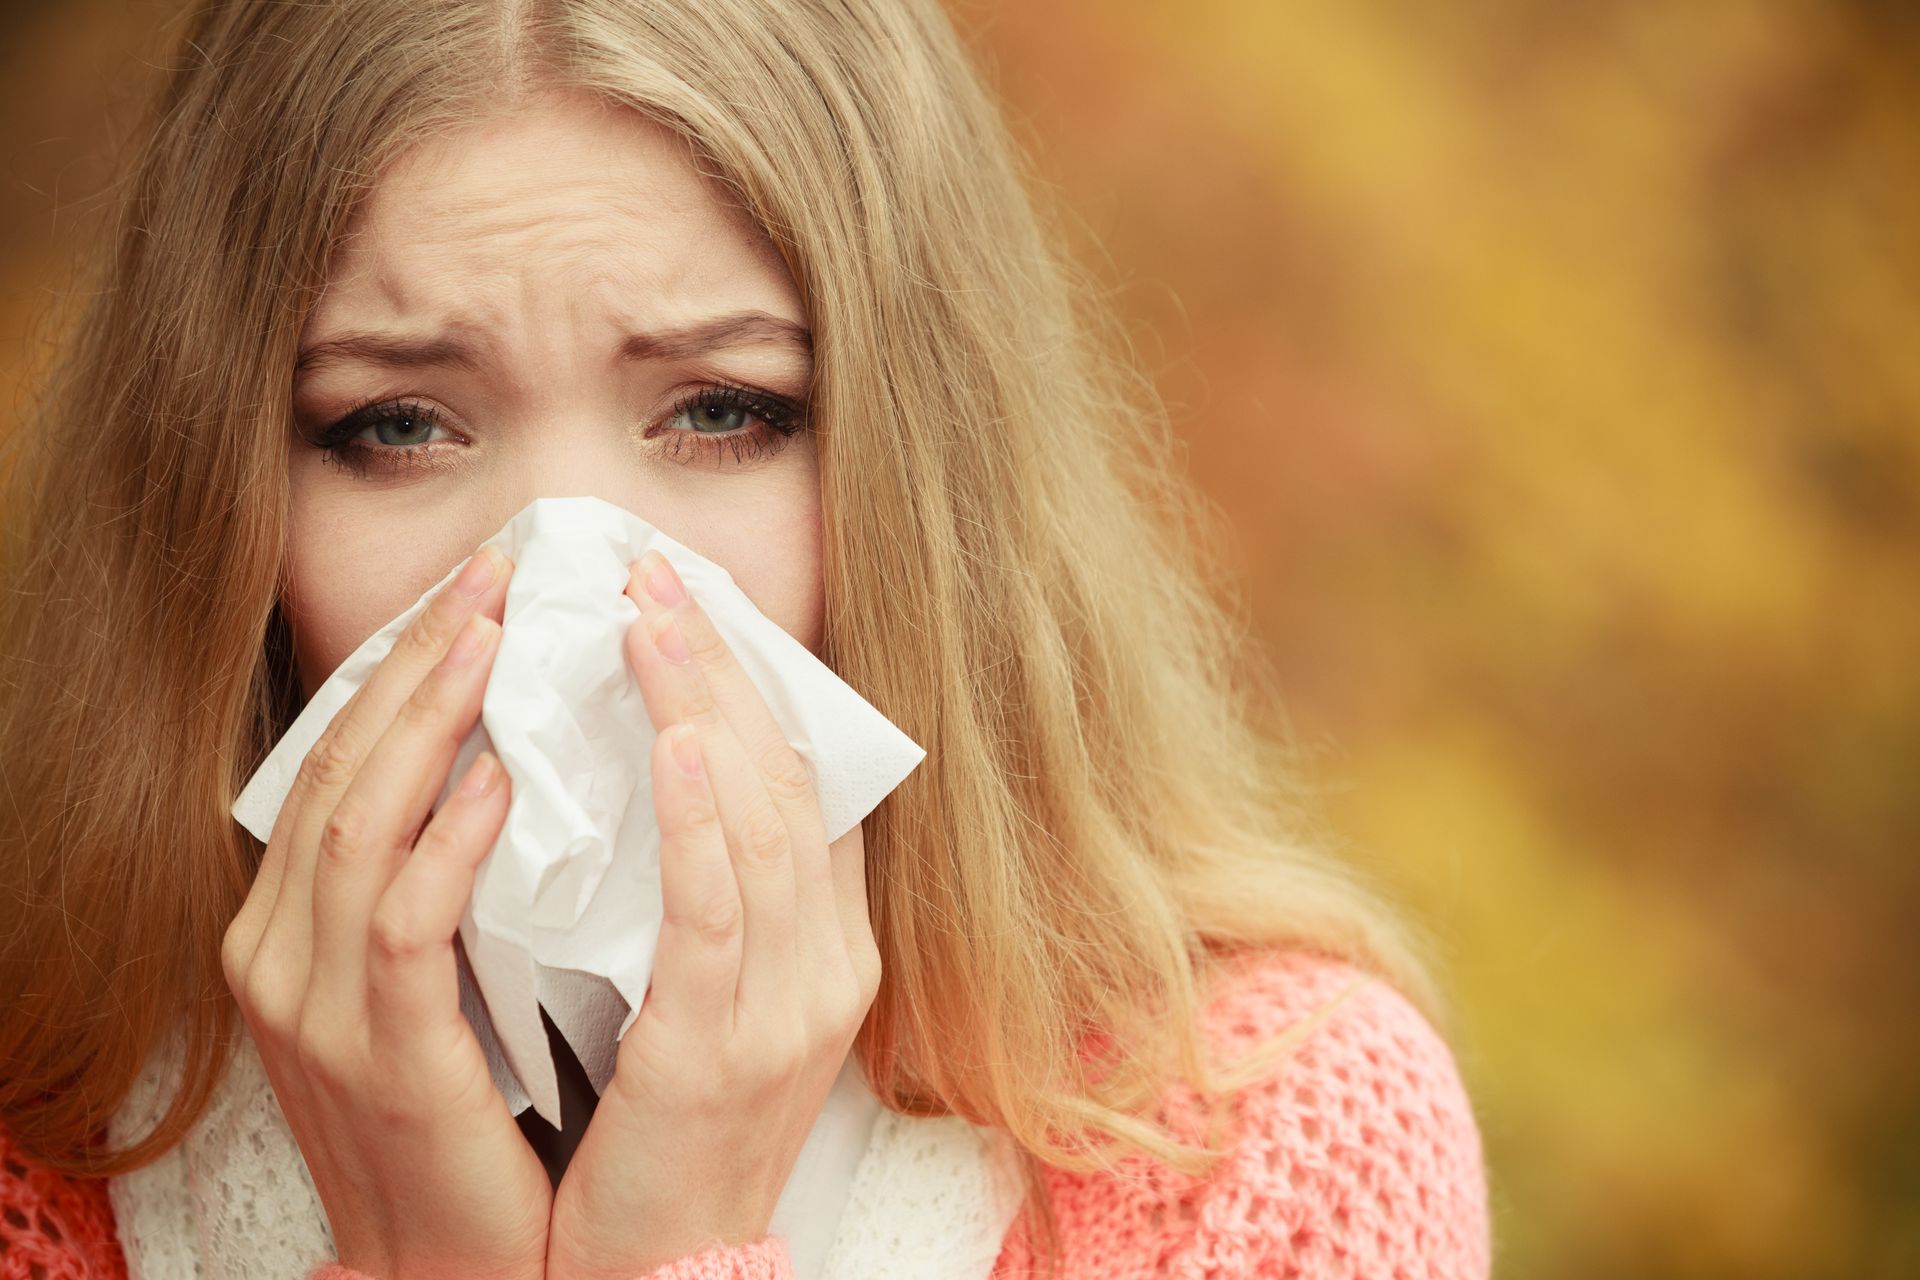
x=762 y=1259
x=52 y=1228
x=1358 y=1156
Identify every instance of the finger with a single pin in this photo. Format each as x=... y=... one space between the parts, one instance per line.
x=332 y=762
x=377 y=817
x=654 y=587
x=758 y=841
x=250 y=922
x=273 y=860
x=848 y=855
x=413 y=982
x=696 y=963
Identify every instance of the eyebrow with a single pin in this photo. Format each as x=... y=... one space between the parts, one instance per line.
x=451 y=350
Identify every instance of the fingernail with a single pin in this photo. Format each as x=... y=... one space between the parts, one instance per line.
x=686 y=749
x=480 y=778
x=480 y=572
x=668 y=640
x=468 y=644
x=663 y=584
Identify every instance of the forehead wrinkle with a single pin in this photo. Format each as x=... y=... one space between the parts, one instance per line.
x=583 y=280
x=671 y=230
x=439 y=279
x=594 y=237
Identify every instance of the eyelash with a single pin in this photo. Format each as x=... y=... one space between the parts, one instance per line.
x=782 y=419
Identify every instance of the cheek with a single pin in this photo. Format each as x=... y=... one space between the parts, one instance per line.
x=354 y=568
x=776 y=560
x=351 y=572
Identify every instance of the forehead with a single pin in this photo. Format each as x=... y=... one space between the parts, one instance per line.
x=569 y=195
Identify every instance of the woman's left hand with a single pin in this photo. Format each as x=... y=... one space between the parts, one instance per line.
x=765 y=968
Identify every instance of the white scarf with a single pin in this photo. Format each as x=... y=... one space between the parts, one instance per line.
x=932 y=1198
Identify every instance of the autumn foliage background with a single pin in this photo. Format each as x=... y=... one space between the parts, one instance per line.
x=1556 y=368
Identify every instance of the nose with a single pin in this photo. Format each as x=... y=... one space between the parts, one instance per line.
x=580 y=455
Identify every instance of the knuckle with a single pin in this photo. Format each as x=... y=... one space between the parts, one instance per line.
x=843 y=1001
x=330 y=765
x=392 y=936
x=698 y=818
x=865 y=958
x=845 y=1014
x=763 y=837
x=787 y=777
x=316 y=1049
x=717 y=920
x=429 y=703
x=269 y=999
x=703 y=714
x=433 y=628
x=344 y=834
x=273 y=1016
x=236 y=954
x=251 y=992
x=434 y=841
x=703 y=639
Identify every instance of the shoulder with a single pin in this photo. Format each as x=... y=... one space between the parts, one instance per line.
x=54 y=1226
x=1356 y=1154
x=1360 y=1149
x=1366 y=1136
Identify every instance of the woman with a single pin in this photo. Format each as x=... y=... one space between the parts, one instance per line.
x=766 y=272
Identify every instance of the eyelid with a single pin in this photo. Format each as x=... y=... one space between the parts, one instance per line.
x=783 y=414
x=372 y=412
x=781 y=417
x=434 y=421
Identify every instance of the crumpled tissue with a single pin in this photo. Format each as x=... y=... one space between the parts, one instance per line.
x=565 y=909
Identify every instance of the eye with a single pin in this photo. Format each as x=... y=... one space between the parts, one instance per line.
x=402 y=430
x=709 y=416
x=719 y=424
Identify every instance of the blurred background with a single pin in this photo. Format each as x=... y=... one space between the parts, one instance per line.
x=1556 y=368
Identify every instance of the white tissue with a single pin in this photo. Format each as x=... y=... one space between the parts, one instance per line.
x=566 y=906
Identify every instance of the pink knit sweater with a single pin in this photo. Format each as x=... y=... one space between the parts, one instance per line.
x=1358 y=1157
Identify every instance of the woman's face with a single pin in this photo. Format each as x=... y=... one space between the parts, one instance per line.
x=556 y=300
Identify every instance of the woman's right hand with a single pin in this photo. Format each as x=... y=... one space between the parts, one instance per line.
x=341 y=959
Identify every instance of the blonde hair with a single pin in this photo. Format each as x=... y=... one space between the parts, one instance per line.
x=1111 y=805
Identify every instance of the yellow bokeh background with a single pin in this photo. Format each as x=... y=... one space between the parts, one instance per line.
x=1556 y=368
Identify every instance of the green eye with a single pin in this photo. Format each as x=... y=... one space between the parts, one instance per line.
x=386 y=435
x=713 y=417
x=412 y=428
x=727 y=422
